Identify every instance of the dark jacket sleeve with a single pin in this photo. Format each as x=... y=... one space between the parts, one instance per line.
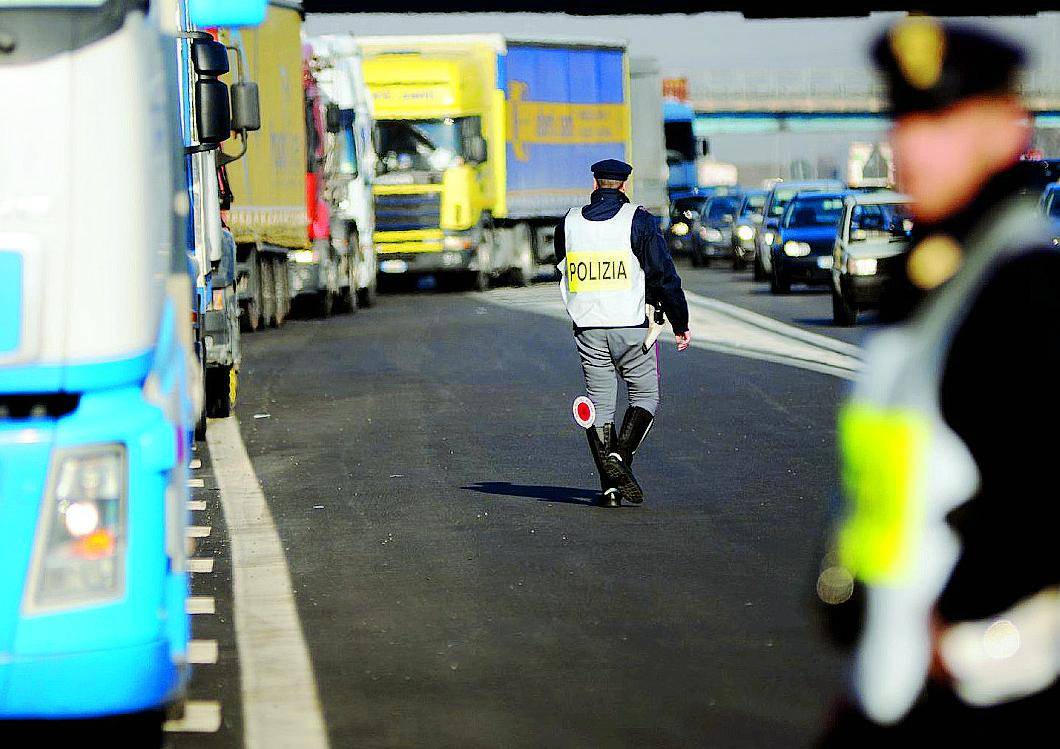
x=661 y=280
x=559 y=242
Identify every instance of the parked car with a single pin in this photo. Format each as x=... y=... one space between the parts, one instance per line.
x=805 y=238
x=776 y=202
x=745 y=227
x=714 y=237
x=870 y=251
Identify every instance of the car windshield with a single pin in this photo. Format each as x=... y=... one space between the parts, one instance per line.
x=889 y=221
x=719 y=208
x=686 y=206
x=814 y=211
x=418 y=145
x=753 y=204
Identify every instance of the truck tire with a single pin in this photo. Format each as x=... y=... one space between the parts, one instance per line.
x=268 y=291
x=348 y=296
x=282 y=285
x=221 y=385
x=366 y=296
x=250 y=314
x=325 y=303
x=523 y=274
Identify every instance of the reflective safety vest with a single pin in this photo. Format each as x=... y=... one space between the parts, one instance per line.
x=601 y=281
x=904 y=469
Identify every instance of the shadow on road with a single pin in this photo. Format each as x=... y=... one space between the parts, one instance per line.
x=561 y=494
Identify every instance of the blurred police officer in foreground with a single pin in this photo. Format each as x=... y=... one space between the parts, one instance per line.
x=945 y=568
x=613 y=260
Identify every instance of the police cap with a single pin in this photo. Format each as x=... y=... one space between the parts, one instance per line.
x=929 y=65
x=612 y=169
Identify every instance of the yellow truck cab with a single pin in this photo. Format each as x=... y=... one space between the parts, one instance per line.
x=484 y=145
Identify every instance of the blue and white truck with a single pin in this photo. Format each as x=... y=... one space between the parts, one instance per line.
x=99 y=384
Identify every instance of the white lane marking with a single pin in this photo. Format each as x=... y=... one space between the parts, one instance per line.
x=718 y=329
x=196 y=504
x=196 y=483
x=202 y=652
x=195 y=464
x=198 y=531
x=200 y=716
x=281 y=706
x=200 y=605
x=200 y=564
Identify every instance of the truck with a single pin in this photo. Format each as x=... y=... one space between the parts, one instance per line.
x=280 y=217
x=650 y=172
x=683 y=149
x=484 y=144
x=351 y=164
x=98 y=374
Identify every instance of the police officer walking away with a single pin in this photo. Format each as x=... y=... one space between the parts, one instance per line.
x=613 y=260
x=945 y=568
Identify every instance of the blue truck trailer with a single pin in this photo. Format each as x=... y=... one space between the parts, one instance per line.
x=99 y=383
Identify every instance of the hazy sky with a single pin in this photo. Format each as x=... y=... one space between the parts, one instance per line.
x=707 y=41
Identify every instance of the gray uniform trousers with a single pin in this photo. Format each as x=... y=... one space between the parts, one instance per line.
x=606 y=352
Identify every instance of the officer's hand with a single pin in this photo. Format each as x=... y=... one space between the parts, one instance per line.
x=683 y=339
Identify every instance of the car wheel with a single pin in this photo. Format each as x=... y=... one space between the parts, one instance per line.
x=843 y=313
x=779 y=283
x=759 y=271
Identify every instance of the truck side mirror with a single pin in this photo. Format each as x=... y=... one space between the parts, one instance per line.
x=246 y=107
x=476 y=149
x=209 y=57
x=333 y=118
x=212 y=114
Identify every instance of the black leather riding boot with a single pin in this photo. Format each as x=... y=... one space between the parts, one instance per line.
x=619 y=464
x=600 y=445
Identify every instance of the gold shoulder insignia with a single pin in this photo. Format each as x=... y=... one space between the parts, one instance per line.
x=919 y=47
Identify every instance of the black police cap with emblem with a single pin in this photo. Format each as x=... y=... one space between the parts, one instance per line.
x=929 y=65
x=612 y=169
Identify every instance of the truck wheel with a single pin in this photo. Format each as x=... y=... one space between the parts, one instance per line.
x=283 y=296
x=200 y=426
x=325 y=303
x=524 y=271
x=221 y=385
x=353 y=262
x=843 y=313
x=366 y=296
x=268 y=291
x=250 y=317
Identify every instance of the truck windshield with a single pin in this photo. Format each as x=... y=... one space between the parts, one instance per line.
x=680 y=143
x=815 y=211
x=423 y=145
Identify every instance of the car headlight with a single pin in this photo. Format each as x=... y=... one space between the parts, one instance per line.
x=304 y=256
x=861 y=266
x=768 y=238
x=711 y=234
x=1056 y=241
x=679 y=229
x=79 y=551
x=796 y=249
x=746 y=233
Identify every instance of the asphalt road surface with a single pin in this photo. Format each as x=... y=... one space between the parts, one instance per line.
x=454 y=583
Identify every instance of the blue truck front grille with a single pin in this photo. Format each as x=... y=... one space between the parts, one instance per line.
x=406 y=212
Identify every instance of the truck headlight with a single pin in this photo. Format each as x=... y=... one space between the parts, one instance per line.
x=79 y=551
x=861 y=266
x=796 y=249
x=304 y=256
x=679 y=229
x=746 y=233
x=456 y=243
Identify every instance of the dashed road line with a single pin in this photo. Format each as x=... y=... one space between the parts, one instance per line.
x=195 y=464
x=200 y=716
x=202 y=652
x=198 y=531
x=200 y=564
x=196 y=483
x=281 y=705
x=200 y=605
x=196 y=504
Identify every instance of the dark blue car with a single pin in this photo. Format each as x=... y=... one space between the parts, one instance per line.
x=1051 y=209
x=804 y=240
